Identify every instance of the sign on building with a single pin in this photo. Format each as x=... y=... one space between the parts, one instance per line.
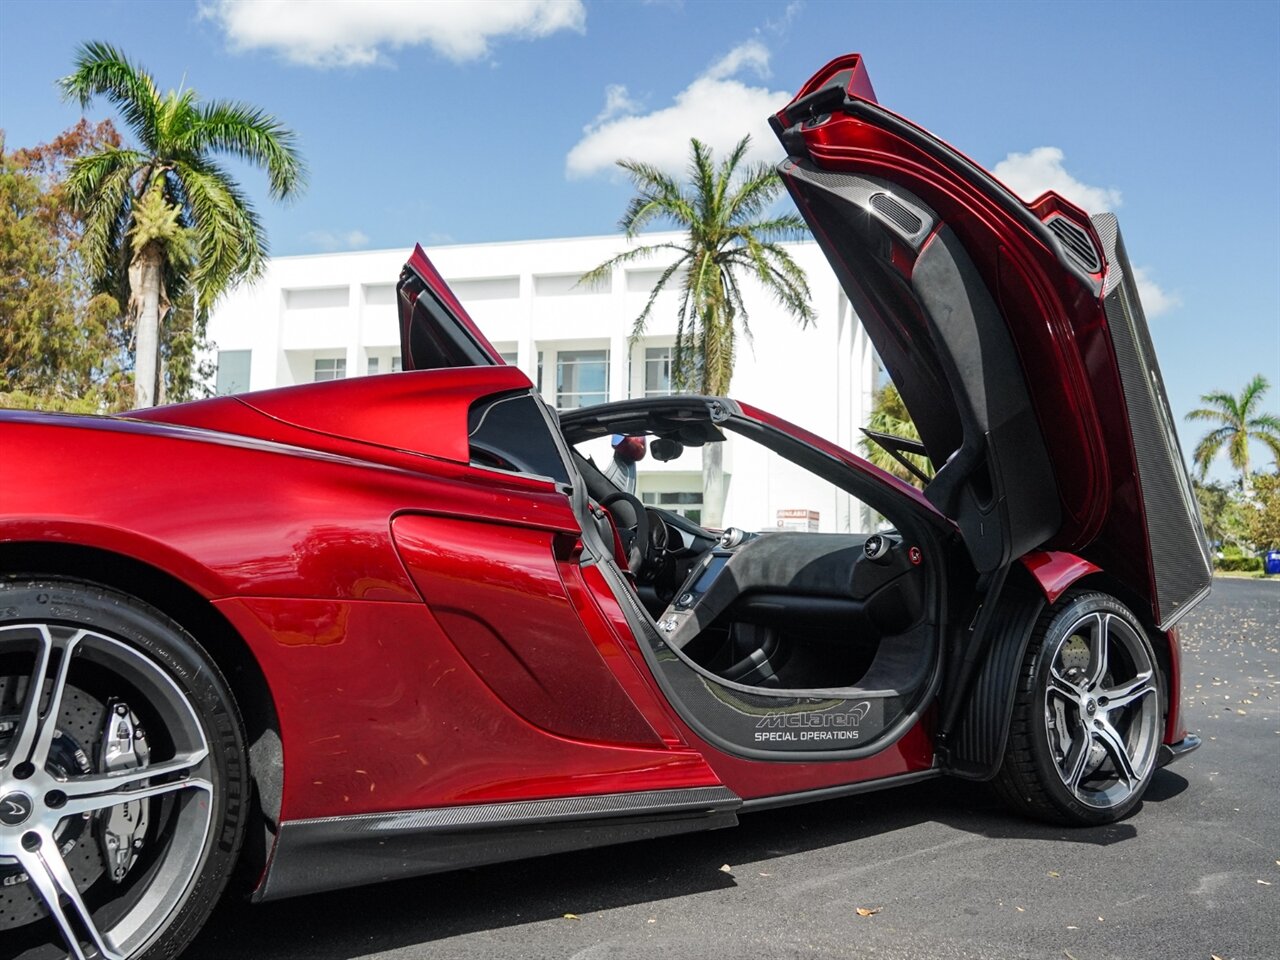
x=799 y=521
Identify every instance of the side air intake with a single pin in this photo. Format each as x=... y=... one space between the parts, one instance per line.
x=896 y=213
x=1076 y=242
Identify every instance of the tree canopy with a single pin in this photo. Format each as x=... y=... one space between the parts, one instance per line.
x=730 y=235
x=62 y=345
x=1238 y=421
x=162 y=218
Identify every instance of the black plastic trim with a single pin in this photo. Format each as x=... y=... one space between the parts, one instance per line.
x=1172 y=752
x=834 y=793
x=330 y=853
x=974 y=750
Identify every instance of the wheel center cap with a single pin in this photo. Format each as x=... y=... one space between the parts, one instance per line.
x=15 y=809
x=1091 y=707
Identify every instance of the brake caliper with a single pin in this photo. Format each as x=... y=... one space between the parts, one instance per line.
x=122 y=829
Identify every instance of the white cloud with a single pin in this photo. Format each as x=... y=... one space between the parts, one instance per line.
x=716 y=108
x=354 y=33
x=331 y=241
x=783 y=23
x=1155 y=299
x=753 y=54
x=1031 y=174
x=617 y=103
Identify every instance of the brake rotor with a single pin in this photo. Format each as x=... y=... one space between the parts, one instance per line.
x=81 y=721
x=1075 y=655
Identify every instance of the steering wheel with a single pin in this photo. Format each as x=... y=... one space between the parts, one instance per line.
x=635 y=535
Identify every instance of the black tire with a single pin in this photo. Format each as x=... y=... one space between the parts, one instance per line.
x=128 y=662
x=1070 y=723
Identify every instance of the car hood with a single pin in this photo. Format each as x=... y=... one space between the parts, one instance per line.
x=1015 y=336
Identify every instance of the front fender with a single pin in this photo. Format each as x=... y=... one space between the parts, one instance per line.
x=1054 y=571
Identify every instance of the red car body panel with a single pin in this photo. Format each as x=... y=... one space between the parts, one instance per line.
x=422 y=729
x=1055 y=571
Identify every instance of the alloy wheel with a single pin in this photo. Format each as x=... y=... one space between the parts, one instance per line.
x=1101 y=710
x=106 y=790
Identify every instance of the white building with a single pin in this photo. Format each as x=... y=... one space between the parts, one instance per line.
x=327 y=316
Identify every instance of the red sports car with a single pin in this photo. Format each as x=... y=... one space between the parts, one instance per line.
x=345 y=632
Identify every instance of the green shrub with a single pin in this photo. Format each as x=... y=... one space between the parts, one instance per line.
x=1239 y=564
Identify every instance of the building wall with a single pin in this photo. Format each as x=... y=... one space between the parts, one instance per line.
x=321 y=316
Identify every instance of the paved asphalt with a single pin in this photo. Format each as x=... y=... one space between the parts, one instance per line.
x=1195 y=873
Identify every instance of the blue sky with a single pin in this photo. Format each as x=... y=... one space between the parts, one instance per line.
x=496 y=121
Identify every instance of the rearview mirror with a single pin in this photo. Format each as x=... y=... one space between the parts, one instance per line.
x=664 y=450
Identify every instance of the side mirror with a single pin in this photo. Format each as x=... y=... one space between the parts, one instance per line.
x=665 y=450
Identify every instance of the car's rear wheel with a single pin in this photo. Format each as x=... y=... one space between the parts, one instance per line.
x=122 y=776
x=1085 y=736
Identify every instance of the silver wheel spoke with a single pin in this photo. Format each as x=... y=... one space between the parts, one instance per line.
x=1121 y=696
x=86 y=794
x=49 y=875
x=1077 y=759
x=1099 y=641
x=1113 y=743
x=36 y=728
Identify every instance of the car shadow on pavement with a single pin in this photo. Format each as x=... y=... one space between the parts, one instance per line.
x=365 y=921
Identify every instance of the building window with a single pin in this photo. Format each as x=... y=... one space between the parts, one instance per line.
x=373 y=366
x=330 y=368
x=686 y=503
x=582 y=378
x=233 y=371
x=657 y=371
x=509 y=357
x=396 y=364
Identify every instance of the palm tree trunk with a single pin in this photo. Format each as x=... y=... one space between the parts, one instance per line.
x=147 y=297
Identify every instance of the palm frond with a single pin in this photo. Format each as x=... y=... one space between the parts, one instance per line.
x=756 y=190
x=596 y=276
x=1253 y=392
x=228 y=234
x=1203 y=413
x=1263 y=424
x=728 y=173
x=637 y=327
x=1209 y=446
x=785 y=227
x=100 y=188
x=702 y=176
x=252 y=135
x=103 y=70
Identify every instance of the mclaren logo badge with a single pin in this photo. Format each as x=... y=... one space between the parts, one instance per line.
x=826 y=726
x=15 y=808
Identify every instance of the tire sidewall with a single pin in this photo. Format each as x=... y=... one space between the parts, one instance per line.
x=1061 y=619
x=178 y=654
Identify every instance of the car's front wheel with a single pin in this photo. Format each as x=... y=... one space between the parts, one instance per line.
x=122 y=776
x=1087 y=721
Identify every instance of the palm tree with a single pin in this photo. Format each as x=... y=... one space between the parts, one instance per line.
x=1239 y=421
x=165 y=214
x=889 y=415
x=729 y=235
